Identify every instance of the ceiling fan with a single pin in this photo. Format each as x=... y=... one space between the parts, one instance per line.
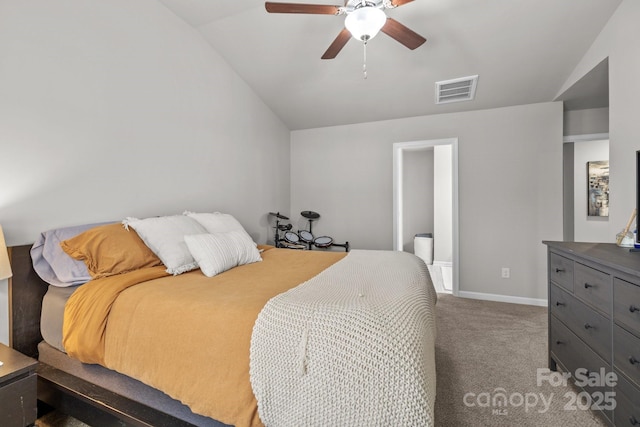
x=365 y=18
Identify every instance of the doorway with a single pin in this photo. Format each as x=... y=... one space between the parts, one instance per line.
x=578 y=224
x=446 y=227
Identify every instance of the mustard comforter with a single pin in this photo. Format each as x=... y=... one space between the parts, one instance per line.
x=187 y=335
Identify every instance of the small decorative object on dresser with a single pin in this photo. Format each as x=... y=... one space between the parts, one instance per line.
x=594 y=325
x=18 y=407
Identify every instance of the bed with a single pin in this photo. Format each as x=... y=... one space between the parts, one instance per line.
x=284 y=337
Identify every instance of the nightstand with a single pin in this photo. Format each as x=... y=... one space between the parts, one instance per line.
x=18 y=403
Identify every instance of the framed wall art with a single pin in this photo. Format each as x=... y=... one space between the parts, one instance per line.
x=598 y=188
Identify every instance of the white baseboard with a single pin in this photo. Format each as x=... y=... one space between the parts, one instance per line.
x=443 y=263
x=503 y=298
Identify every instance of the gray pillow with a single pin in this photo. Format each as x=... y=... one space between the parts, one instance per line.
x=52 y=264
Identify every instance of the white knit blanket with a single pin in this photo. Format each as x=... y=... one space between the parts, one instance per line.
x=353 y=346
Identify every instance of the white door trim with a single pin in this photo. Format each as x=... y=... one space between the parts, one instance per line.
x=398 y=149
x=586 y=137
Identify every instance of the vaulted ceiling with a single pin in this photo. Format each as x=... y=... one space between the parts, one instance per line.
x=522 y=50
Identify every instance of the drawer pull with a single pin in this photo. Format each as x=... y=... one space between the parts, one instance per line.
x=633 y=308
x=559 y=342
x=559 y=304
x=633 y=421
x=559 y=270
x=588 y=326
x=587 y=286
x=633 y=360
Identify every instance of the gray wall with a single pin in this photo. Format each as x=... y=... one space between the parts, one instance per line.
x=568 y=178
x=619 y=42
x=443 y=203
x=418 y=195
x=105 y=115
x=510 y=183
x=585 y=122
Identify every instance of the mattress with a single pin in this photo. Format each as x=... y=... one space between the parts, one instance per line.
x=53 y=314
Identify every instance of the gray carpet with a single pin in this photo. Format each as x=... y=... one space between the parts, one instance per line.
x=483 y=346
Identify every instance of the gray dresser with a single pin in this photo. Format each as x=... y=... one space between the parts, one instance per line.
x=594 y=323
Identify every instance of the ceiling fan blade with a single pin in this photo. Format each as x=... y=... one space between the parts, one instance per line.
x=315 y=9
x=397 y=3
x=402 y=34
x=337 y=44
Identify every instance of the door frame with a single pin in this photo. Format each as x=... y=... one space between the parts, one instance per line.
x=398 y=197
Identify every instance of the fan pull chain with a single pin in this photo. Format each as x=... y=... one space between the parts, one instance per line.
x=364 y=64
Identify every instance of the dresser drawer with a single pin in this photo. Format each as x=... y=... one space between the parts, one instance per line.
x=593 y=286
x=626 y=353
x=572 y=352
x=626 y=304
x=627 y=412
x=592 y=327
x=561 y=271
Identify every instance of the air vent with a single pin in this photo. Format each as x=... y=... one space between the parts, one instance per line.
x=455 y=90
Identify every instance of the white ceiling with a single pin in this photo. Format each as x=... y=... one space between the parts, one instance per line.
x=523 y=51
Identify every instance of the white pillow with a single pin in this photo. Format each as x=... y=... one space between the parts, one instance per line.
x=218 y=252
x=164 y=235
x=217 y=222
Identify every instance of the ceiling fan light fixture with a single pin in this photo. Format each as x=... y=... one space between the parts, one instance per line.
x=365 y=22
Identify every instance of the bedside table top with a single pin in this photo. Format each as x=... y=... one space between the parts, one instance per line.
x=14 y=363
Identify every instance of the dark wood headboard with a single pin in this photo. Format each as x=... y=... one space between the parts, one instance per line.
x=26 y=290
